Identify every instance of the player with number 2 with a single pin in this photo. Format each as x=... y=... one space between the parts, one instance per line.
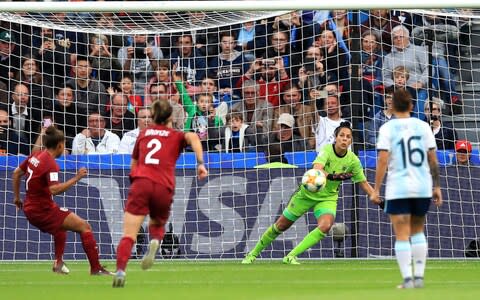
x=152 y=176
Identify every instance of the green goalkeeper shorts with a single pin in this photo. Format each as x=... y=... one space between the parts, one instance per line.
x=299 y=205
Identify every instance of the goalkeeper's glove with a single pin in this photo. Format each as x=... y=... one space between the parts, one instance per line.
x=339 y=176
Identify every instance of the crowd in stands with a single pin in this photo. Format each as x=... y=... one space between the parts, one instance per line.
x=274 y=86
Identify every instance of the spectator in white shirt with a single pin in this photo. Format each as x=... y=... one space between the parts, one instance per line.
x=144 y=119
x=326 y=125
x=95 y=139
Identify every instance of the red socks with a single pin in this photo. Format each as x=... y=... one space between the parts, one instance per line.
x=90 y=247
x=124 y=251
x=59 y=239
x=156 y=232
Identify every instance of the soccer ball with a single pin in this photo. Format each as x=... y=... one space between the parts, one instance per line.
x=313 y=180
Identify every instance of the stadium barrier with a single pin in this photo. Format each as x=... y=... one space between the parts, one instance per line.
x=223 y=216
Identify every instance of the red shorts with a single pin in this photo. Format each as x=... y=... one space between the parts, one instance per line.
x=147 y=197
x=47 y=219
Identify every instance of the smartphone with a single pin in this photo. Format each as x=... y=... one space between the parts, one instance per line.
x=99 y=42
x=47 y=122
x=268 y=62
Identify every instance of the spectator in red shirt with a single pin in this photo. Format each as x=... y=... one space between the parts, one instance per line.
x=40 y=209
x=153 y=184
x=270 y=75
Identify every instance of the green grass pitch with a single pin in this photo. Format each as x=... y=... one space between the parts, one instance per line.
x=265 y=279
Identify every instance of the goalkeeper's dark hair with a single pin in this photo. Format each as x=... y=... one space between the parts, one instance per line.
x=344 y=124
x=53 y=137
x=161 y=111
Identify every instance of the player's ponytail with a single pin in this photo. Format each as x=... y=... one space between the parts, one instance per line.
x=53 y=137
x=344 y=124
x=161 y=110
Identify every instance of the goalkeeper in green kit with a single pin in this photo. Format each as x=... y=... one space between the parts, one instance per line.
x=338 y=163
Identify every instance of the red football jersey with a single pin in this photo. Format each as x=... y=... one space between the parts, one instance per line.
x=156 y=151
x=41 y=171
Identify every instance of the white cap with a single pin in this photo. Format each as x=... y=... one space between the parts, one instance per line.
x=286 y=119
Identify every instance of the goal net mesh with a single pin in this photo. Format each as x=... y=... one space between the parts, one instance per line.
x=288 y=77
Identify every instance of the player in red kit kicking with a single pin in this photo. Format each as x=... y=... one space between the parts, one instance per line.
x=152 y=187
x=41 y=211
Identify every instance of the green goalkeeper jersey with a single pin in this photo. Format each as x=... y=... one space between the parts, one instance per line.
x=334 y=164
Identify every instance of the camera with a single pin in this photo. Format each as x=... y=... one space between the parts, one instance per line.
x=435 y=118
x=139 y=52
x=99 y=42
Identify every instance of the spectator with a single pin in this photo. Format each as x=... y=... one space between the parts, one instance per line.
x=202 y=120
x=380 y=22
x=162 y=39
x=302 y=111
x=271 y=77
x=90 y=94
x=41 y=92
x=206 y=39
x=463 y=150
x=9 y=57
x=336 y=59
x=188 y=60
x=443 y=36
x=279 y=49
x=415 y=60
x=283 y=140
x=252 y=39
x=445 y=134
x=326 y=125
x=25 y=121
x=380 y=118
x=312 y=74
x=95 y=139
x=107 y=21
x=237 y=136
x=299 y=33
x=144 y=119
x=337 y=22
x=120 y=119
x=162 y=75
x=3 y=94
x=140 y=59
x=126 y=87
x=222 y=99
x=371 y=73
x=54 y=58
x=158 y=91
x=106 y=67
x=229 y=65
x=68 y=116
x=257 y=114
x=10 y=142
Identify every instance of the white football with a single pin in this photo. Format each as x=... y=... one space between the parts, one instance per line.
x=313 y=180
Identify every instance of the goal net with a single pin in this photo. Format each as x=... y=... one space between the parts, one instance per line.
x=287 y=76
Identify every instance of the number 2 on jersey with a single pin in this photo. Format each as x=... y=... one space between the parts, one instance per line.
x=156 y=145
x=409 y=151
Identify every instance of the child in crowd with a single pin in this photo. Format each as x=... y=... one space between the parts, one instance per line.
x=162 y=75
x=126 y=87
x=238 y=136
x=201 y=117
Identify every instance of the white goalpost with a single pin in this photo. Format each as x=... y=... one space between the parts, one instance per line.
x=70 y=59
